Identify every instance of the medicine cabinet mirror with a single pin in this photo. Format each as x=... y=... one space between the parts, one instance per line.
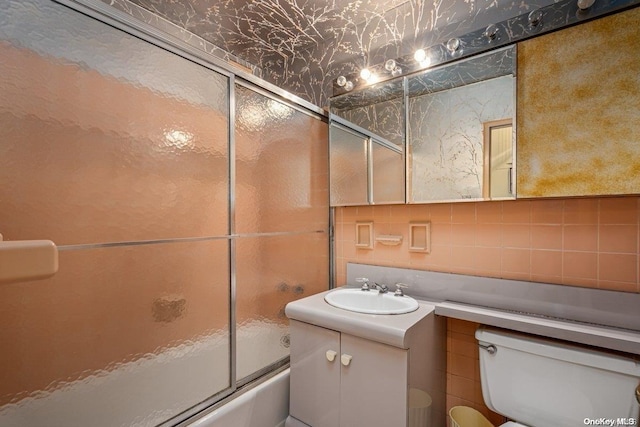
x=367 y=146
x=457 y=144
x=461 y=138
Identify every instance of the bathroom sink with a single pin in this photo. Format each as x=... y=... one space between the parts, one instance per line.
x=371 y=302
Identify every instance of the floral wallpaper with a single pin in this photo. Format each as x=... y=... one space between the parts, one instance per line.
x=302 y=45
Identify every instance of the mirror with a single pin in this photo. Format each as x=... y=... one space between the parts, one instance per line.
x=366 y=146
x=461 y=138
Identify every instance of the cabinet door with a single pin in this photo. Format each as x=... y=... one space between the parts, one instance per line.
x=373 y=390
x=315 y=380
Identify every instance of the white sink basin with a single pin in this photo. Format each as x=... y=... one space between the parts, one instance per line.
x=371 y=302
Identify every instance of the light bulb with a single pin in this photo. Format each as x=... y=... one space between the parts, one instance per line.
x=420 y=55
x=341 y=81
x=535 y=18
x=348 y=85
x=453 y=45
x=390 y=65
x=365 y=74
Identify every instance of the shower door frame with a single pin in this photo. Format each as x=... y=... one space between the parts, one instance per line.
x=122 y=21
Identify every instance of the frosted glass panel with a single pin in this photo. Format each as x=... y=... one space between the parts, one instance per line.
x=275 y=270
x=105 y=137
x=348 y=167
x=388 y=174
x=120 y=336
x=281 y=166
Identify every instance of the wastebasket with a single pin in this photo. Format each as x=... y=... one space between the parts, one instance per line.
x=464 y=416
x=419 y=408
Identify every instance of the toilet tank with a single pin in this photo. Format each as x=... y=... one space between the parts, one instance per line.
x=544 y=383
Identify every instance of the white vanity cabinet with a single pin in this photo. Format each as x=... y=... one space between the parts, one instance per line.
x=352 y=370
x=341 y=380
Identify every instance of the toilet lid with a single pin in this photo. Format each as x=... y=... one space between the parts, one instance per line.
x=512 y=424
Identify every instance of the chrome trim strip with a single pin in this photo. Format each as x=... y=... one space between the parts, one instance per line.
x=287 y=102
x=347 y=125
x=369 y=155
x=109 y=15
x=87 y=246
x=184 y=417
x=232 y=229
x=332 y=247
x=407 y=147
x=257 y=374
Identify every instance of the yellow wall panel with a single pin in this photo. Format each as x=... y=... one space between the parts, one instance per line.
x=578 y=110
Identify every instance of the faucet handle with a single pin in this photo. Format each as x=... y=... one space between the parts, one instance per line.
x=399 y=289
x=365 y=283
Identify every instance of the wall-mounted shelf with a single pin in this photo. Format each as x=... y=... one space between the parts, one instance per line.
x=389 y=239
x=364 y=235
x=420 y=237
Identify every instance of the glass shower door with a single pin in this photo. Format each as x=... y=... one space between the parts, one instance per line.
x=117 y=151
x=281 y=223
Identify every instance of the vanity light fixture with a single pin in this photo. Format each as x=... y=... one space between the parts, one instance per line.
x=396 y=71
x=390 y=65
x=420 y=55
x=491 y=33
x=344 y=83
x=555 y=16
x=453 y=45
x=535 y=18
x=422 y=58
x=585 y=4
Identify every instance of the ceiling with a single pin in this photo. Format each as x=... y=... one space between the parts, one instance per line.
x=249 y=30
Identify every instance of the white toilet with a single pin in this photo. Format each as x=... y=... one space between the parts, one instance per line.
x=544 y=383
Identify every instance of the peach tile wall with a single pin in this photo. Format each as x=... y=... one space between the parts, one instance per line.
x=463 y=369
x=588 y=242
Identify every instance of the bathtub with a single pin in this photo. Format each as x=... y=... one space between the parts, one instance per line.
x=266 y=405
x=149 y=390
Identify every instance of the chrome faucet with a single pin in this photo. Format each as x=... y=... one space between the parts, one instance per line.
x=399 y=292
x=383 y=289
x=365 y=283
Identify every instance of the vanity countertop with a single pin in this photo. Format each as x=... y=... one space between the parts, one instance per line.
x=391 y=329
x=583 y=333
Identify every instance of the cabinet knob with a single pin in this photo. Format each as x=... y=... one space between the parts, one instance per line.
x=346 y=359
x=331 y=355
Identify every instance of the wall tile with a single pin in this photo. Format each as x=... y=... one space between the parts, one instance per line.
x=545 y=249
x=546 y=236
x=580 y=237
x=581 y=211
x=516 y=236
x=619 y=210
x=618 y=267
x=583 y=265
x=516 y=212
x=547 y=211
x=618 y=238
